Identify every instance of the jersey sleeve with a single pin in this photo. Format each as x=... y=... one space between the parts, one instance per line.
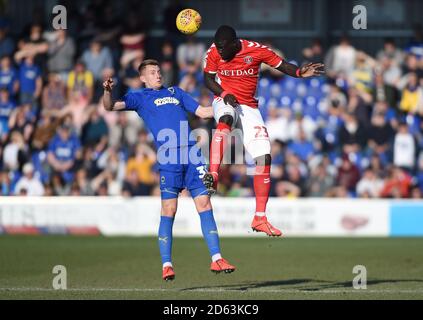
x=130 y=101
x=269 y=57
x=211 y=60
x=188 y=103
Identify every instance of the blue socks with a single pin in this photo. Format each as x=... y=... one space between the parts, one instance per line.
x=209 y=229
x=165 y=239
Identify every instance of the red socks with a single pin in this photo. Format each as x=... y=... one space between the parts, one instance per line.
x=218 y=146
x=262 y=188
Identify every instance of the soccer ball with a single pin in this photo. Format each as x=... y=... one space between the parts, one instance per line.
x=188 y=21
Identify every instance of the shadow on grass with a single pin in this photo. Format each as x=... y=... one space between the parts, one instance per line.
x=321 y=284
x=348 y=284
x=256 y=285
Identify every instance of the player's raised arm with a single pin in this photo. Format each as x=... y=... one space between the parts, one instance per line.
x=308 y=70
x=108 y=102
x=213 y=86
x=204 y=112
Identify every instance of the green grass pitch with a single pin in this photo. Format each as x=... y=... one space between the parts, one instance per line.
x=267 y=268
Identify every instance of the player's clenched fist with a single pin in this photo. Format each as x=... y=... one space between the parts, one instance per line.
x=108 y=84
x=231 y=100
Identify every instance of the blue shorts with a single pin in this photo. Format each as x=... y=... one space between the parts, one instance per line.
x=185 y=175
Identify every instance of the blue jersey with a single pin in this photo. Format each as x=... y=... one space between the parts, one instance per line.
x=6 y=109
x=164 y=112
x=28 y=75
x=7 y=79
x=64 y=150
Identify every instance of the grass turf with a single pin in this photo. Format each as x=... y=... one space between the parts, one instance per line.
x=267 y=268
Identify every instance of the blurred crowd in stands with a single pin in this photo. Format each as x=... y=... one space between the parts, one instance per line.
x=356 y=132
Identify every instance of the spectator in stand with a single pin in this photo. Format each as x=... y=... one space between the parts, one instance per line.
x=370 y=185
x=35 y=45
x=362 y=75
x=54 y=95
x=8 y=76
x=277 y=123
x=303 y=124
x=142 y=162
x=412 y=96
x=97 y=58
x=397 y=185
x=132 y=78
x=15 y=153
x=30 y=80
x=190 y=56
x=167 y=65
x=133 y=187
x=340 y=60
x=60 y=188
x=348 y=174
x=63 y=151
x=84 y=185
x=95 y=130
x=61 y=52
x=80 y=85
x=29 y=182
x=132 y=41
x=314 y=53
x=5 y=183
x=320 y=182
x=7 y=45
x=190 y=85
x=380 y=134
x=22 y=120
x=7 y=106
x=352 y=136
x=383 y=92
x=390 y=51
x=404 y=148
x=301 y=147
x=45 y=131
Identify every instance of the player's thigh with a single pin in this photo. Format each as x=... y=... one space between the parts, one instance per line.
x=255 y=137
x=221 y=109
x=171 y=184
x=195 y=171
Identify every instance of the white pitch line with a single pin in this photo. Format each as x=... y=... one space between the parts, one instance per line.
x=213 y=290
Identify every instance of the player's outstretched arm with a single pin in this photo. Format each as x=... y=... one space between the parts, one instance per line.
x=308 y=70
x=213 y=86
x=204 y=112
x=108 y=102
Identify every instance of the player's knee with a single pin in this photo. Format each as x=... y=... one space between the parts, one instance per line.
x=169 y=209
x=203 y=203
x=227 y=119
x=265 y=160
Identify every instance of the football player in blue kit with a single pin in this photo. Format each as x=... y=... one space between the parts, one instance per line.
x=164 y=111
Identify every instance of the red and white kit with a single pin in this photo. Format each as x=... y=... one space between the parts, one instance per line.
x=239 y=77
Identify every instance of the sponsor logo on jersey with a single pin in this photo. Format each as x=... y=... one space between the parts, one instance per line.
x=248 y=72
x=166 y=100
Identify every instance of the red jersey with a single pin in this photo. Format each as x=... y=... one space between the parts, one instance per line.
x=240 y=75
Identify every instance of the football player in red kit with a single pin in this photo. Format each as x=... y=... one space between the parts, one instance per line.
x=231 y=72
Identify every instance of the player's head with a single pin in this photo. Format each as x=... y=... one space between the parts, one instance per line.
x=226 y=42
x=150 y=74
